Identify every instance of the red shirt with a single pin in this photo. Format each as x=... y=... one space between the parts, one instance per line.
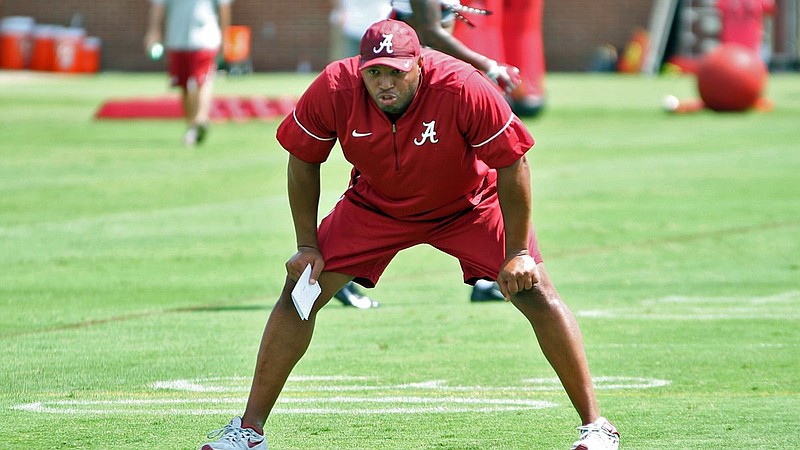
x=434 y=161
x=743 y=21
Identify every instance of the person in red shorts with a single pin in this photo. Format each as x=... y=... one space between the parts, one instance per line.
x=193 y=30
x=438 y=158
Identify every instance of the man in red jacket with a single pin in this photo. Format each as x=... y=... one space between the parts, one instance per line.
x=438 y=158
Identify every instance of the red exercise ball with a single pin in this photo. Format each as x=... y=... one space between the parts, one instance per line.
x=731 y=78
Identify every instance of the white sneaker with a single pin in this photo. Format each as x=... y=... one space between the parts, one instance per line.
x=190 y=137
x=600 y=435
x=234 y=437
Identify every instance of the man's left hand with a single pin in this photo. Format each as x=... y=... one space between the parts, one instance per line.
x=519 y=273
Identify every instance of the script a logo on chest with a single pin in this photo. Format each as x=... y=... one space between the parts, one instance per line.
x=429 y=134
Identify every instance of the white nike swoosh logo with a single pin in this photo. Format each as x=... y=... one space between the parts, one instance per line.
x=356 y=134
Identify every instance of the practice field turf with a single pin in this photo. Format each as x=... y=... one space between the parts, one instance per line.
x=136 y=277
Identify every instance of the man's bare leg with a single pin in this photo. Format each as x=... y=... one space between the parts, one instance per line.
x=561 y=342
x=285 y=340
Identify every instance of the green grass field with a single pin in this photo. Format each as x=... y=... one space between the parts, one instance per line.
x=136 y=277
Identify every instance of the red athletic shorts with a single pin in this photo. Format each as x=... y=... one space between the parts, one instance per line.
x=358 y=241
x=191 y=68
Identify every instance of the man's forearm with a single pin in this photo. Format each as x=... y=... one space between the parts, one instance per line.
x=426 y=20
x=514 y=192
x=303 y=192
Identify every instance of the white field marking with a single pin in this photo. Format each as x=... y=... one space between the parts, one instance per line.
x=334 y=404
x=784 y=297
x=241 y=384
x=739 y=314
x=602 y=383
x=782 y=306
x=532 y=385
x=301 y=378
x=338 y=405
x=596 y=313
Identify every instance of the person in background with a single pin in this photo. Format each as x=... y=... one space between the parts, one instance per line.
x=349 y=20
x=513 y=33
x=438 y=158
x=191 y=33
x=434 y=21
x=743 y=22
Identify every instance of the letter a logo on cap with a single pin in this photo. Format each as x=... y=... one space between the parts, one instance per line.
x=389 y=43
x=386 y=43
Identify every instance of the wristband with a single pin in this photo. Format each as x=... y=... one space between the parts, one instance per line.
x=494 y=70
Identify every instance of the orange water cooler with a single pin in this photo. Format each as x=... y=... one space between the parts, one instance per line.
x=15 y=42
x=69 y=43
x=236 y=43
x=43 y=55
x=89 y=61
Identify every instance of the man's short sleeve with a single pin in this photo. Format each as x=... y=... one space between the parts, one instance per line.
x=309 y=132
x=495 y=133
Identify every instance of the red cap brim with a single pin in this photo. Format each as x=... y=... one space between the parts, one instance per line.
x=401 y=64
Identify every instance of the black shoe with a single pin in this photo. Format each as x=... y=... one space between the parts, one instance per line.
x=530 y=106
x=202 y=131
x=486 y=291
x=350 y=295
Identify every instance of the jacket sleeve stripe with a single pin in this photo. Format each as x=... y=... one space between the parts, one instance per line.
x=294 y=115
x=510 y=119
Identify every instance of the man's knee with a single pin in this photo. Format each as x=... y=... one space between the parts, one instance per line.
x=541 y=297
x=329 y=282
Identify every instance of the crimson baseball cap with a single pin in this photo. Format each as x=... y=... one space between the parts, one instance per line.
x=390 y=43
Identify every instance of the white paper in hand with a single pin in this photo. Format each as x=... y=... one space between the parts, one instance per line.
x=304 y=294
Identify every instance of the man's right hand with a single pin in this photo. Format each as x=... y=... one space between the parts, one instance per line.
x=298 y=262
